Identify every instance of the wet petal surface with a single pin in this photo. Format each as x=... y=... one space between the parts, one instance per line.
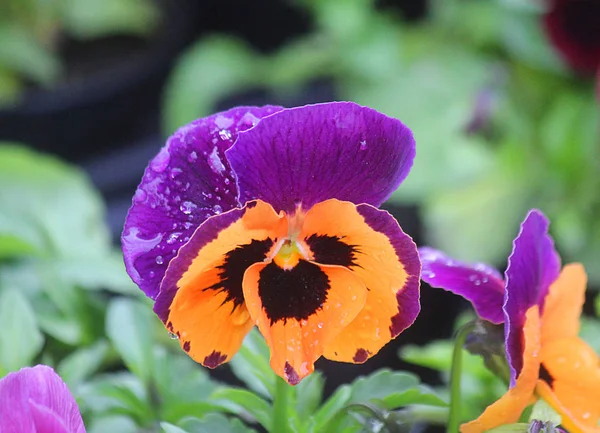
x=300 y=310
x=201 y=299
x=478 y=283
x=313 y=153
x=372 y=245
x=188 y=181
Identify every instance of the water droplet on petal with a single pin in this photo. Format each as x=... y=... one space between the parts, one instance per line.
x=140 y=196
x=173 y=237
x=320 y=325
x=226 y=180
x=192 y=156
x=173 y=336
x=175 y=172
x=363 y=145
x=217 y=209
x=214 y=161
x=187 y=207
x=159 y=260
x=223 y=122
x=225 y=134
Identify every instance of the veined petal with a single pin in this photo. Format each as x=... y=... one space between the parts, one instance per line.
x=201 y=299
x=563 y=305
x=317 y=152
x=372 y=245
x=509 y=407
x=188 y=181
x=300 y=310
x=478 y=283
x=34 y=395
x=532 y=267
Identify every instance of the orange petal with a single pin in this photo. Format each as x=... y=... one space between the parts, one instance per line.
x=575 y=371
x=563 y=304
x=509 y=407
x=572 y=421
x=201 y=298
x=300 y=310
x=369 y=242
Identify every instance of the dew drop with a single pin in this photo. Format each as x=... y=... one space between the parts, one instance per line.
x=217 y=209
x=223 y=122
x=320 y=325
x=159 y=260
x=214 y=161
x=187 y=207
x=226 y=180
x=175 y=172
x=192 y=156
x=173 y=336
x=363 y=145
x=151 y=274
x=173 y=237
x=225 y=134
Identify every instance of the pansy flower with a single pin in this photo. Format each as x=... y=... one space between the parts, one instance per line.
x=573 y=27
x=36 y=400
x=268 y=217
x=540 y=306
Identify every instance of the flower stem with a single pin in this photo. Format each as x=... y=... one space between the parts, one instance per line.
x=454 y=416
x=281 y=421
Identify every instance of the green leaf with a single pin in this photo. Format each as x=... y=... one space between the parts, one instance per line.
x=129 y=326
x=208 y=71
x=393 y=389
x=243 y=402
x=309 y=393
x=83 y=363
x=13 y=246
x=21 y=340
x=213 y=423
x=50 y=205
x=170 y=428
x=89 y=19
x=22 y=53
x=120 y=424
x=251 y=365
x=331 y=407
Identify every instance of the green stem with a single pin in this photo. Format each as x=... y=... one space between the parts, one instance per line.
x=281 y=422
x=454 y=416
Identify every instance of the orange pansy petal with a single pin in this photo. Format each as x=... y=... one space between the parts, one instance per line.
x=572 y=420
x=300 y=310
x=563 y=304
x=509 y=407
x=201 y=299
x=575 y=372
x=370 y=243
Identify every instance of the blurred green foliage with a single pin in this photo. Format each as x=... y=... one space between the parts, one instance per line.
x=501 y=125
x=33 y=31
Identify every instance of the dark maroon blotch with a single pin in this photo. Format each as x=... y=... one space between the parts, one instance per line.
x=290 y=374
x=361 y=356
x=186 y=346
x=214 y=359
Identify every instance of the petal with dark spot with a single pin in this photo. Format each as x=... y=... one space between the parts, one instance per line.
x=201 y=299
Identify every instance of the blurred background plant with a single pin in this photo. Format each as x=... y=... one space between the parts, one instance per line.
x=34 y=32
x=500 y=96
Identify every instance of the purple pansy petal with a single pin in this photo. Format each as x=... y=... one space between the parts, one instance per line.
x=478 y=283
x=188 y=181
x=317 y=152
x=36 y=395
x=532 y=267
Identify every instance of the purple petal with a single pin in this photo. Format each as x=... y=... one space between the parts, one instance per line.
x=532 y=267
x=317 y=152
x=478 y=283
x=188 y=181
x=36 y=395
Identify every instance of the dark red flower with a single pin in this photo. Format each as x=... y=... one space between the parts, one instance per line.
x=573 y=27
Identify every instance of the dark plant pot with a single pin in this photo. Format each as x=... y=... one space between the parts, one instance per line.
x=111 y=95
